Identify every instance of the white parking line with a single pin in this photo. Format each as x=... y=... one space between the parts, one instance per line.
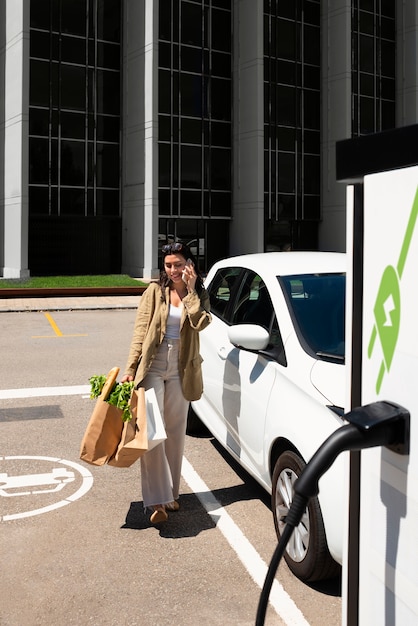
x=252 y=561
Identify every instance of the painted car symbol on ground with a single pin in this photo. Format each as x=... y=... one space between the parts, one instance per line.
x=26 y=484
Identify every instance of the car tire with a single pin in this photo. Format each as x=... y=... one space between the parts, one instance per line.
x=307 y=553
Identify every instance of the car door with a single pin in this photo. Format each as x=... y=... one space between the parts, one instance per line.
x=248 y=376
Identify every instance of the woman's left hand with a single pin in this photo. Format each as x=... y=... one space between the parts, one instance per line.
x=189 y=276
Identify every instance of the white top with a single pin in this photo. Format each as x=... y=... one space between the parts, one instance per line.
x=173 y=322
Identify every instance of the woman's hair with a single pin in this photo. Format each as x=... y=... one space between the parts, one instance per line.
x=178 y=248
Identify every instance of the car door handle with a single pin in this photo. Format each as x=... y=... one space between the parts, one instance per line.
x=222 y=353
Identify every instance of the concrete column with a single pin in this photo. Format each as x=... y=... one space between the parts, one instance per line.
x=16 y=144
x=336 y=117
x=247 y=227
x=140 y=139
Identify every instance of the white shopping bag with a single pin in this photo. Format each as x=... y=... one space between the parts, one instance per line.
x=155 y=424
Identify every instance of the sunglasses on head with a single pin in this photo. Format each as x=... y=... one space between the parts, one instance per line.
x=172 y=247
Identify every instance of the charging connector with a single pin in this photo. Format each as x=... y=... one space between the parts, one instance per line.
x=377 y=424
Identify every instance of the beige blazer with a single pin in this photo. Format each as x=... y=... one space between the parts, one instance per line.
x=149 y=330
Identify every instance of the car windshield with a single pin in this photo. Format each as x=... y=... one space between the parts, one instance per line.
x=317 y=306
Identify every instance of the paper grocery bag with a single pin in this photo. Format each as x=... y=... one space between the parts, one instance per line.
x=134 y=438
x=104 y=430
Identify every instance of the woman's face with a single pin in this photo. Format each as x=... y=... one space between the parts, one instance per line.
x=174 y=264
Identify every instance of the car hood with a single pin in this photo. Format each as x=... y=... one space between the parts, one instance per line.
x=329 y=380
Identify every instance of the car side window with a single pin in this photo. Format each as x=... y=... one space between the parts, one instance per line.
x=253 y=304
x=221 y=288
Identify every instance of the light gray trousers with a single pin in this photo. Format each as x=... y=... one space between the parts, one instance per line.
x=161 y=466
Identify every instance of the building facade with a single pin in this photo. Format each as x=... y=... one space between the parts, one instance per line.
x=128 y=123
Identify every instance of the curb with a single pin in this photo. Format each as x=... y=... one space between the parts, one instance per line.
x=71 y=292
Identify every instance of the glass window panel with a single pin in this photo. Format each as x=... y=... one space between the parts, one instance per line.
x=108 y=55
x=220 y=99
x=287 y=208
x=73 y=16
x=285 y=9
x=190 y=202
x=72 y=162
x=220 y=169
x=388 y=115
x=72 y=125
x=221 y=134
x=311 y=38
x=222 y=4
x=286 y=44
x=311 y=13
x=108 y=128
x=107 y=165
x=39 y=200
x=191 y=59
x=221 y=30
x=311 y=77
x=221 y=64
x=388 y=28
x=191 y=167
x=175 y=97
x=286 y=138
x=191 y=94
x=54 y=162
x=366 y=84
x=38 y=160
x=311 y=174
x=366 y=5
x=164 y=201
x=220 y=204
x=311 y=141
x=107 y=202
x=164 y=54
x=71 y=201
x=39 y=122
x=164 y=92
x=388 y=58
x=164 y=164
x=108 y=20
x=388 y=88
x=286 y=72
x=367 y=119
x=286 y=172
x=40 y=14
x=90 y=164
x=164 y=20
x=108 y=95
x=73 y=87
x=388 y=8
x=39 y=83
x=366 y=25
x=55 y=84
x=73 y=50
x=367 y=54
x=311 y=109
x=191 y=24
x=39 y=44
x=164 y=128
x=191 y=130
x=286 y=105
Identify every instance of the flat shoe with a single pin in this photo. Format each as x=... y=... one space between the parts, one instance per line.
x=172 y=506
x=159 y=515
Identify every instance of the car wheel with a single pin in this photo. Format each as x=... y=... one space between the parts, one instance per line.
x=307 y=553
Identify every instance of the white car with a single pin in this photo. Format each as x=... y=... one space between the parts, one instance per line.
x=274 y=385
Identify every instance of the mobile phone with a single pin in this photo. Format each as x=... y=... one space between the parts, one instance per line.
x=189 y=263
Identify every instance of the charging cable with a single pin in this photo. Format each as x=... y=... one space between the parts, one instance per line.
x=377 y=424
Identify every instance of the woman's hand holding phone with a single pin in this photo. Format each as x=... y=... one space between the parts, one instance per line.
x=189 y=275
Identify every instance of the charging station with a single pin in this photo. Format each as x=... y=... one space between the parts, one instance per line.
x=380 y=580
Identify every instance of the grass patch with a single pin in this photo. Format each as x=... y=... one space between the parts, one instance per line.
x=60 y=282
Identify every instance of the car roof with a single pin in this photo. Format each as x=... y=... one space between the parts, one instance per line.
x=288 y=263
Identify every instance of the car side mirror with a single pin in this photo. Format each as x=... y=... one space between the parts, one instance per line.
x=256 y=338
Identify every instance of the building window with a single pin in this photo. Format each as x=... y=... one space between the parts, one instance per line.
x=373 y=66
x=291 y=119
x=194 y=107
x=74 y=112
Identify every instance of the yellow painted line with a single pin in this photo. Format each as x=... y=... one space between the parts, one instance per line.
x=56 y=330
x=53 y=324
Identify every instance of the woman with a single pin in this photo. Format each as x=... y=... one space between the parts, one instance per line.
x=164 y=355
